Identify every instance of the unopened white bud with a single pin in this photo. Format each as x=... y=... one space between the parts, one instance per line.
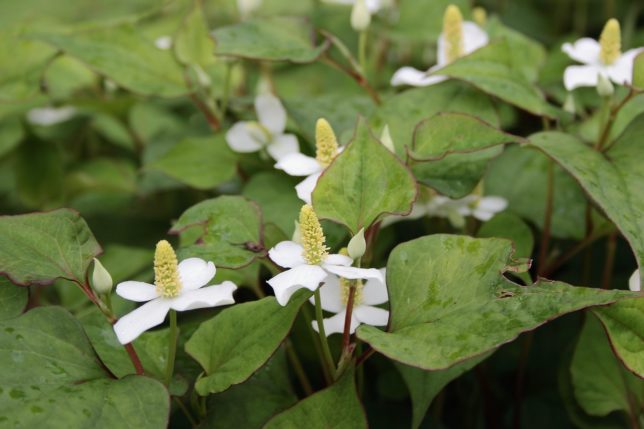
x=604 y=86
x=360 y=16
x=357 y=245
x=634 y=282
x=386 y=139
x=101 y=278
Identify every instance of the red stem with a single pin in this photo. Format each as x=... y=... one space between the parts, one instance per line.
x=346 y=336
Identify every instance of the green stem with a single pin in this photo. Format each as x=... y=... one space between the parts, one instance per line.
x=226 y=94
x=547 y=220
x=609 y=263
x=362 y=52
x=185 y=411
x=172 y=347
x=316 y=343
x=326 y=351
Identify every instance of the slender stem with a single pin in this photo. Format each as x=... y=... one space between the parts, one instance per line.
x=568 y=255
x=362 y=52
x=346 y=335
x=297 y=367
x=185 y=411
x=134 y=358
x=611 y=245
x=608 y=125
x=547 y=220
x=364 y=356
x=326 y=351
x=172 y=347
x=358 y=77
x=226 y=94
x=108 y=301
x=316 y=343
x=520 y=383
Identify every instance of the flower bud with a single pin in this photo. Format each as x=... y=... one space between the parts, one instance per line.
x=360 y=16
x=569 y=104
x=357 y=245
x=604 y=87
x=610 y=42
x=101 y=278
x=634 y=281
x=479 y=15
x=638 y=71
x=386 y=139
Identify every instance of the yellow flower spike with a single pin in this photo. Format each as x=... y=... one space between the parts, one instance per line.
x=479 y=15
x=610 y=42
x=345 y=288
x=312 y=236
x=166 y=273
x=453 y=33
x=326 y=145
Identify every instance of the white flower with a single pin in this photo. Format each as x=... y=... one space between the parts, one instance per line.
x=164 y=43
x=310 y=263
x=457 y=39
x=297 y=164
x=46 y=116
x=334 y=294
x=177 y=287
x=251 y=136
x=603 y=57
x=634 y=282
x=246 y=7
x=372 y=5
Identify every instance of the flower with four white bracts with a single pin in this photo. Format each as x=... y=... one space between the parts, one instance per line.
x=458 y=38
x=599 y=58
x=177 y=286
x=268 y=133
x=334 y=295
x=634 y=282
x=298 y=164
x=309 y=263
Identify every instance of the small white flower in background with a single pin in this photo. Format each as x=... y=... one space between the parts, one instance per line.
x=177 y=286
x=634 y=282
x=373 y=6
x=360 y=16
x=297 y=164
x=334 y=294
x=599 y=58
x=46 y=116
x=164 y=43
x=252 y=136
x=247 y=7
x=458 y=38
x=310 y=263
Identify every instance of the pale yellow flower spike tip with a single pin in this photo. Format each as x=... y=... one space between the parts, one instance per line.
x=312 y=236
x=479 y=15
x=453 y=33
x=610 y=42
x=166 y=273
x=326 y=145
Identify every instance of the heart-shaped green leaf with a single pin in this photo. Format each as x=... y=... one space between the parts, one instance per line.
x=234 y=344
x=337 y=406
x=231 y=231
x=365 y=181
x=614 y=180
x=273 y=39
x=450 y=301
x=38 y=248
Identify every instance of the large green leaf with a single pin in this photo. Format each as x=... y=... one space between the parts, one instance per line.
x=337 y=406
x=200 y=162
x=13 y=299
x=65 y=385
x=450 y=301
x=404 y=111
x=365 y=181
x=123 y=55
x=614 y=180
x=451 y=151
x=527 y=170
x=193 y=44
x=250 y=404
x=492 y=69
x=273 y=39
x=232 y=230
x=275 y=194
x=425 y=385
x=600 y=382
x=624 y=323
x=234 y=344
x=38 y=248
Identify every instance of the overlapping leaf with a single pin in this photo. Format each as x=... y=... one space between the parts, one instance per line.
x=463 y=306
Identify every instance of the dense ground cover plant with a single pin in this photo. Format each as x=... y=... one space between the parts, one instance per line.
x=321 y=214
